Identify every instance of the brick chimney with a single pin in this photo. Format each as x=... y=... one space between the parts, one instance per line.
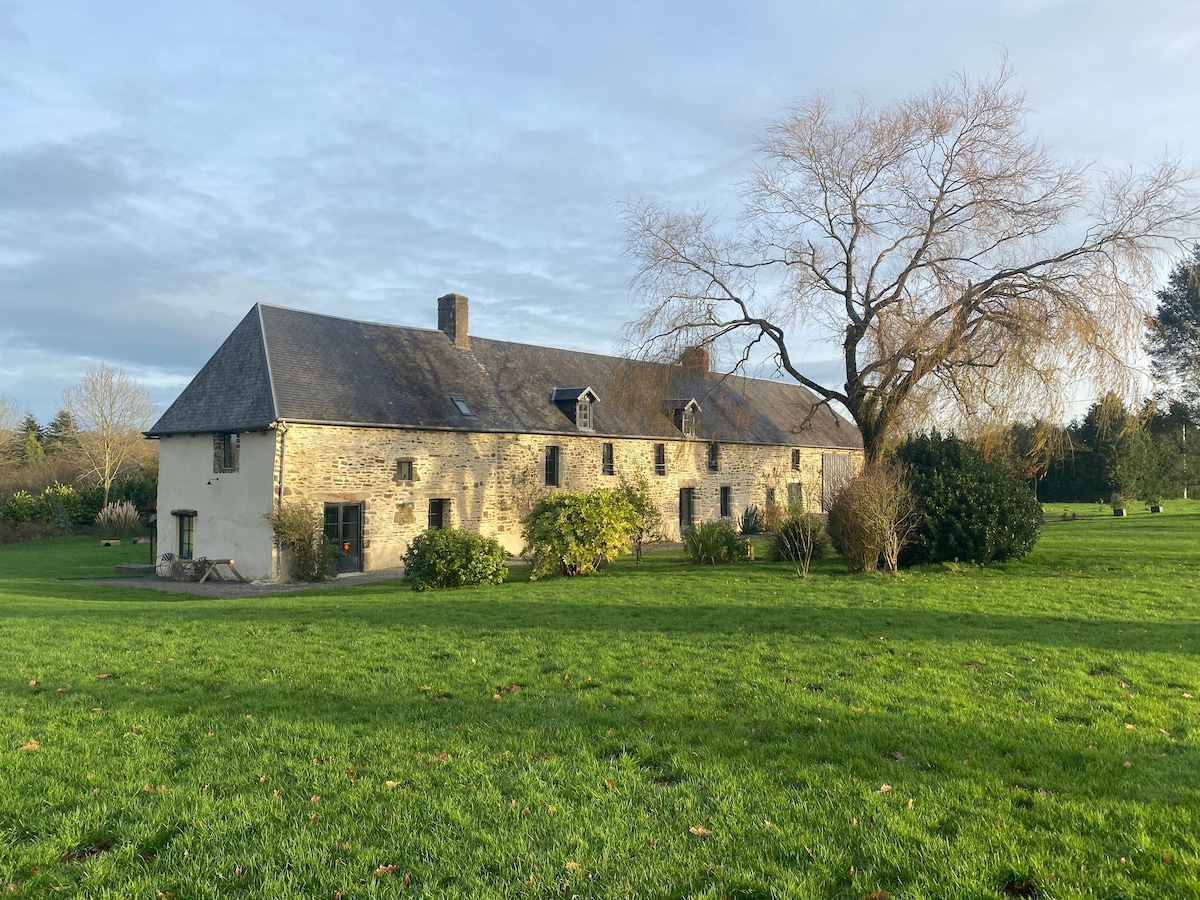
x=452 y=319
x=695 y=360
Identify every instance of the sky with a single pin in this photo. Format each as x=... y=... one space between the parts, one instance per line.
x=166 y=165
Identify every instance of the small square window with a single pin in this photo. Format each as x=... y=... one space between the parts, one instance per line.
x=606 y=459
x=404 y=470
x=660 y=459
x=463 y=406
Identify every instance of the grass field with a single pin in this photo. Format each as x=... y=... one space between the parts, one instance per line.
x=663 y=731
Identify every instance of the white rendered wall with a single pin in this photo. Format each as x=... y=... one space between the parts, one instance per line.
x=229 y=511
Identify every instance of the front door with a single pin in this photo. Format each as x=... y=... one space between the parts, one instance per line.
x=687 y=509
x=343 y=529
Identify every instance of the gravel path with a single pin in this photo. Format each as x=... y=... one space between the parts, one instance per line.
x=246 y=588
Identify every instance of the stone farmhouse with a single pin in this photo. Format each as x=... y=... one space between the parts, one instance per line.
x=393 y=430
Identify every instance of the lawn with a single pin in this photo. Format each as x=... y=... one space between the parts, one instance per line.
x=659 y=731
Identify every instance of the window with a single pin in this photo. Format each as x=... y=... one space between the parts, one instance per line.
x=687 y=421
x=606 y=459
x=770 y=498
x=186 y=526
x=714 y=457
x=463 y=406
x=404 y=470
x=439 y=513
x=660 y=459
x=685 y=416
x=583 y=412
x=795 y=460
x=225 y=452
x=726 y=502
x=552 y=466
x=795 y=495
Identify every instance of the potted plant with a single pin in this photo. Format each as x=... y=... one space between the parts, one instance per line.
x=1156 y=504
x=1119 y=505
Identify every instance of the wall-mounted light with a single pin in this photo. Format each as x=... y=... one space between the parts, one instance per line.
x=214 y=478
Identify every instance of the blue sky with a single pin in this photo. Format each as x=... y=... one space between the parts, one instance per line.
x=163 y=166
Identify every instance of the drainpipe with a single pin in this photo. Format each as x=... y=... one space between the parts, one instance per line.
x=282 y=429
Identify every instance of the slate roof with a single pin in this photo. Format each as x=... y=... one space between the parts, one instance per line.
x=302 y=367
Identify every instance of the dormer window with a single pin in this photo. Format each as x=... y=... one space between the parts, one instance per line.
x=685 y=416
x=583 y=413
x=576 y=404
x=463 y=407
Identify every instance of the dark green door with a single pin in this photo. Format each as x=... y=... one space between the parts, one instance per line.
x=343 y=529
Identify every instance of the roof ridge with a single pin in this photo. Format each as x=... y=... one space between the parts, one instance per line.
x=262 y=339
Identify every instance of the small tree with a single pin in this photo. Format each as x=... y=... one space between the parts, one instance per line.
x=111 y=410
x=577 y=534
x=300 y=530
x=648 y=529
x=799 y=539
x=872 y=517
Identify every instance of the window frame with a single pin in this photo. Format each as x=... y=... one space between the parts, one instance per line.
x=607 y=459
x=401 y=466
x=584 y=419
x=660 y=460
x=185 y=533
x=795 y=460
x=726 y=501
x=553 y=466
x=714 y=456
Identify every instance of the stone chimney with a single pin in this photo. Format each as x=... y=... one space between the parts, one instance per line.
x=452 y=319
x=695 y=360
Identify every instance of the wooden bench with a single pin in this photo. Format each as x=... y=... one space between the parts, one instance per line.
x=201 y=569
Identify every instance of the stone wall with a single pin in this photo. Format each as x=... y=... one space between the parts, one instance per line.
x=492 y=480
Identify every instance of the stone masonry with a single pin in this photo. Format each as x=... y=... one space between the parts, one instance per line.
x=492 y=480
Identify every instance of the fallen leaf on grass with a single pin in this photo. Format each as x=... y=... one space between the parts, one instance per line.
x=104 y=675
x=392 y=785
x=32 y=745
x=879 y=895
x=699 y=831
x=386 y=870
x=572 y=866
x=884 y=788
x=33 y=683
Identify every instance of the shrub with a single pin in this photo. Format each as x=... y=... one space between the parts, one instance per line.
x=972 y=510
x=715 y=542
x=21 y=507
x=872 y=517
x=91 y=501
x=118 y=518
x=752 y=521
x=139 y=488
x=799 y=539
x=449 y=558
x=59 y=499
x=636 y=490
x=300 y=529
x=575 y=534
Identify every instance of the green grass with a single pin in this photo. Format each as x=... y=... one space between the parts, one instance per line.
x=662 y=731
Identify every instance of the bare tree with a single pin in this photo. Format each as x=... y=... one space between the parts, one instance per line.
x=960 y=266
x=110 y=409
x=10 y=414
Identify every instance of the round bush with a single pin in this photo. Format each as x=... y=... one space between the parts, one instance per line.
x=449 y=558
x=973 y=510
x=577 y=534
